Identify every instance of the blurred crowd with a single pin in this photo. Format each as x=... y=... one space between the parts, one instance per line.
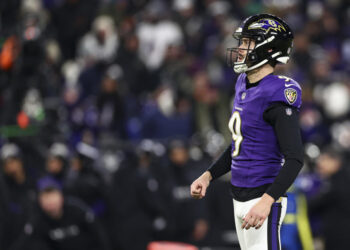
x=109 y=109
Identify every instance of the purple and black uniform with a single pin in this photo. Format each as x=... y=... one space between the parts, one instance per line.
x=256 y=156
x=266 y=153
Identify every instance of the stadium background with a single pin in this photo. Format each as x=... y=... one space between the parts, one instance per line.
x=125 y=102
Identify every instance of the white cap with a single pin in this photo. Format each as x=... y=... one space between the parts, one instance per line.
x=180 y=5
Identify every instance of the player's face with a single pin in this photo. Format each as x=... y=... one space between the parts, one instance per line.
x=246 y=45
x=238 y=53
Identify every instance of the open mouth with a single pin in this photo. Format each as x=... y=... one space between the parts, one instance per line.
x=240 y=57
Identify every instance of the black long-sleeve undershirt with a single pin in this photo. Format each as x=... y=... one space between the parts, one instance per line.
x=222 y=165
x=285 y=124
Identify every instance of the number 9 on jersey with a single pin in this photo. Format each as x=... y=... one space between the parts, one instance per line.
x=235 y=127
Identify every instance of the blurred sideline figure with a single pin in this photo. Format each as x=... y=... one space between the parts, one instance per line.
x=296 y=231
x=60 y=223
x=17 y=194
x=135 y=201
x=330 y=203
x=190 y=218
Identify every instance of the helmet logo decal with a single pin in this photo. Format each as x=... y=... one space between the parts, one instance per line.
x=267 y=25
x=291 y=95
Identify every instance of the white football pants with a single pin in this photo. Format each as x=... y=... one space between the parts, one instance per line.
x=267 y=237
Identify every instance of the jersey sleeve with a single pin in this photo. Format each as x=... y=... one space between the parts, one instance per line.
x=287 y=91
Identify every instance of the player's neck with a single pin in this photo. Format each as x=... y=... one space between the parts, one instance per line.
x=259 y=73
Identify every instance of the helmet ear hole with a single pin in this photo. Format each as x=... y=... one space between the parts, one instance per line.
x=272 y=63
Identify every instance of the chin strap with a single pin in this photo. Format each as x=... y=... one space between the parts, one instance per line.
x=242 y=67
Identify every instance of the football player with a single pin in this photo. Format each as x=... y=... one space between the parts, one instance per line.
x=266 y=152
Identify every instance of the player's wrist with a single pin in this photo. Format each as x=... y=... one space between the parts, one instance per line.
x=207 y=175
x=267 y=199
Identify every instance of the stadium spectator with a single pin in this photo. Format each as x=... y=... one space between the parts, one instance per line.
x=110 y=104
x=56 y=163
x=135 y=70
x=70 y=21
x=60 y=223
x=329 y=203
x=295 y=231
x=18 y=195
x=210 y=108
x=167 y=115
x=136 y=203
x=155 y=34
x=190 y=217
x=101 y=44
x=86 y=183
x=221 y=229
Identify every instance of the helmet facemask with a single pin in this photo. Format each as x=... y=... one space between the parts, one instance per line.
x=241 y=58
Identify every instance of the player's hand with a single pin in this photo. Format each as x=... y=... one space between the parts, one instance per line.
x=200 y=185
x=258 y=213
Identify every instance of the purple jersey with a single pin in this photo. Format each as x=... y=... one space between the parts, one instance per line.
x=256 y=157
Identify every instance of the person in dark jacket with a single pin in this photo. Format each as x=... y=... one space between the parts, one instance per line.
x=86 y=183
x=56 y=163
x=17 y=195
x=60 y=223
x=190 y=217
x=110 y=103
x=332 y=203
x=136 y=203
